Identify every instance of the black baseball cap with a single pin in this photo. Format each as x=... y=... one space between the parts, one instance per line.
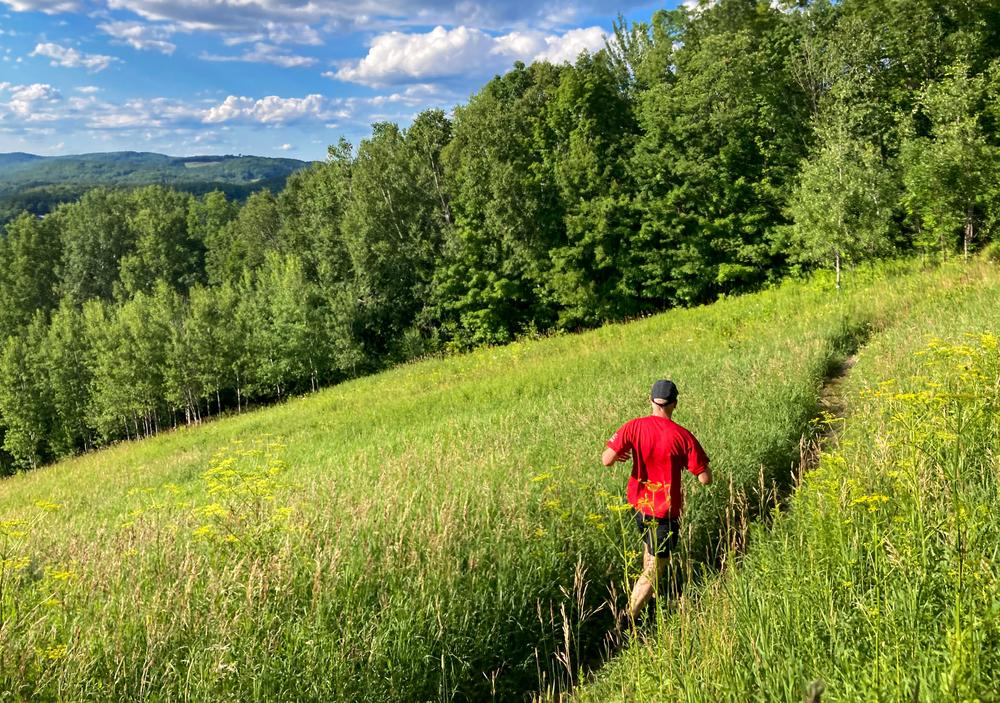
x=663 y=392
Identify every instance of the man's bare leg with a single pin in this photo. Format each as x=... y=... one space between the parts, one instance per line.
x=652 y=568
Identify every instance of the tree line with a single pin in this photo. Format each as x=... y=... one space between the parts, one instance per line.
x=705 y=152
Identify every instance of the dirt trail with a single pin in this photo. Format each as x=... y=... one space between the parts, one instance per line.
x=830 y=419
x=820 y=434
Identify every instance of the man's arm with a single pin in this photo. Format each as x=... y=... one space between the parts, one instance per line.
x=698 y=462
x=610 y=456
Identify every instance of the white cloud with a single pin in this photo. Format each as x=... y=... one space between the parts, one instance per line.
x=400 y=57
x=419 y=95
x=71 y=58
x=270 y=110
x=265 y=53
x=568 y=46
x=29 y=103
x=699 y=6
x=49 y=7
x=282 y=33
x=87 y=89
x=143 y=37
x=397 y=56
x=285 y=147
x=331 y=16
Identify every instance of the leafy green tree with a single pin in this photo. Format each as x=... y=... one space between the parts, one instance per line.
x=66 y=353
x=211 y=341
x=393 y=224
x=593 y=129
x=242 y=245
x=506 y=213
x=723 y=133
x=843 y=205
x=252 y=363
x=182 y=368
x=294 y=345
x=129 y=348
x=340 y=316
x=163 y=249
x=951 y=175
x=95 y=237
x=25 y=397
x=28 y=278
x=207 y=219
x=311 y=209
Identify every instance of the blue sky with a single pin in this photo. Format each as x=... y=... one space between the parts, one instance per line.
x=267 y=77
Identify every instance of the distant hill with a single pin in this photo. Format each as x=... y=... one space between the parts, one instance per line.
x=39 y=183
x=17 y=157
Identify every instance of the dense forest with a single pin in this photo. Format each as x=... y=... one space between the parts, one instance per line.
x=38 y=184
x=703 y=153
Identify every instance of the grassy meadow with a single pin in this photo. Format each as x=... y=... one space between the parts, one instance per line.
x=445 y=531
x=880 y=579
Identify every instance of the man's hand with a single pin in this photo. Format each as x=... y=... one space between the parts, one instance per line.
x=705 y=477
x=610 y=456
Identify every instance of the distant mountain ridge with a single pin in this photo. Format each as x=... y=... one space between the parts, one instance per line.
x=37 y=184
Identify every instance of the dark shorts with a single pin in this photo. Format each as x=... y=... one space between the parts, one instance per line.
x=659 y=534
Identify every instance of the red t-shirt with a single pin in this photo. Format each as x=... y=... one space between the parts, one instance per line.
x=660 y=449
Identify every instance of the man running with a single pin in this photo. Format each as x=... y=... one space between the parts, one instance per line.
x=659 y=449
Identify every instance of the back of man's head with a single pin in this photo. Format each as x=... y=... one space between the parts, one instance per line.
x=663 y=393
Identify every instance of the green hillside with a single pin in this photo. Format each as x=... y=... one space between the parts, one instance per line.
x=880 y=580
x=439 y=531
x=36 y=183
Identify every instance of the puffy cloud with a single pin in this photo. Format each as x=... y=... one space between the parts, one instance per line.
x=399 y=57
x=143 y=37
x=41 y=102
x=88 y=89
x=270 y=110
x=71 y=58
x=132 y=114
x=285 y=147
x=568 y=46
x=265 y=53
x=29 y=103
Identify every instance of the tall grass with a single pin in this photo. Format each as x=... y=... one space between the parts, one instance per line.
x=880 y=580
x=440 y=531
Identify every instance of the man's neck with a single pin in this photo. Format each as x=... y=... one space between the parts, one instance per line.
x=666 y=414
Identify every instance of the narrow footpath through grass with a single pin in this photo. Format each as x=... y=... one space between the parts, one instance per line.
x=879 y=580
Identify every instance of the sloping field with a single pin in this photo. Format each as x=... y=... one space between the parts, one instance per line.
x=881 y=581
x=440 y=531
